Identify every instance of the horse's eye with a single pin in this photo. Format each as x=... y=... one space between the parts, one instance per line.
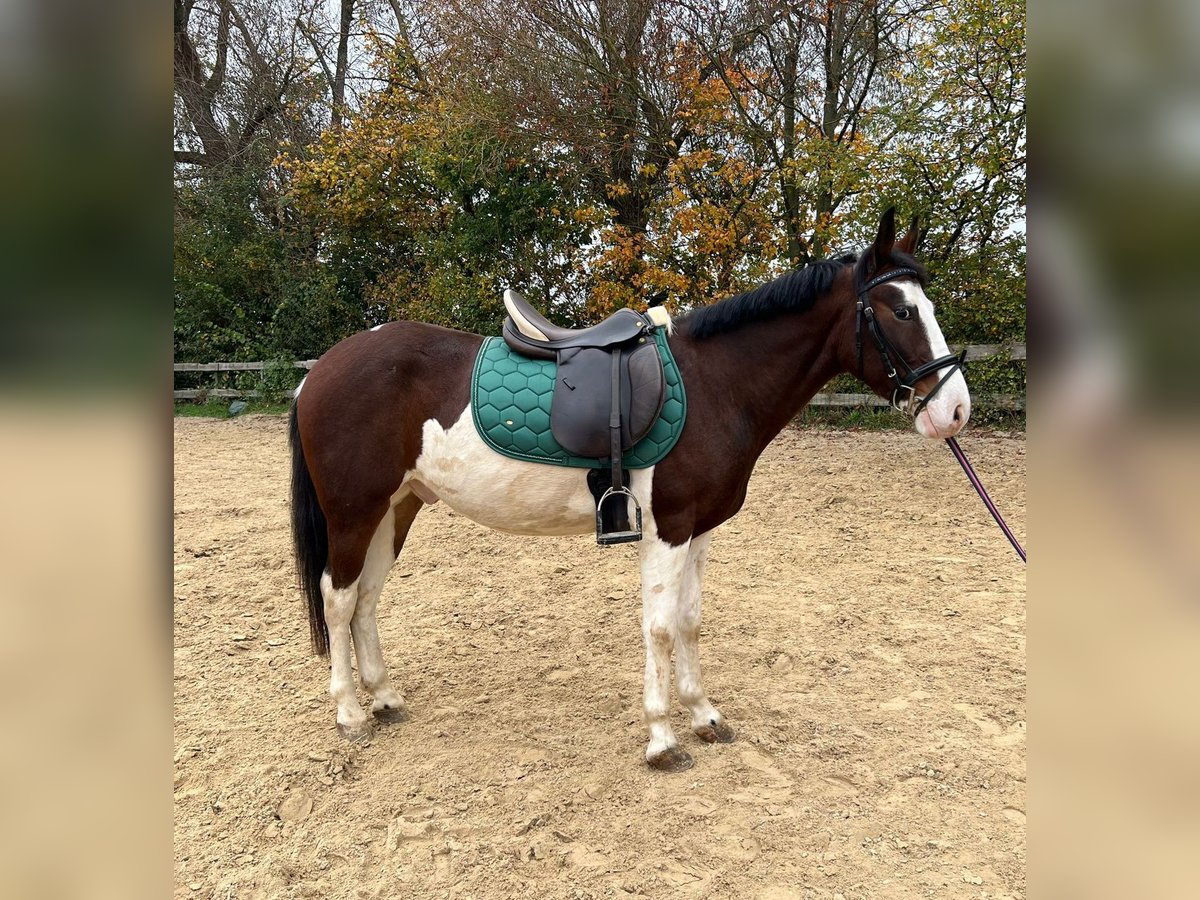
x=904 y=312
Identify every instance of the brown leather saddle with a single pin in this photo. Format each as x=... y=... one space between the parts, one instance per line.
x=608 y=392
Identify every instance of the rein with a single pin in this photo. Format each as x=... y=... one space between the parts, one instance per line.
x=983 y=495
x=912 y=404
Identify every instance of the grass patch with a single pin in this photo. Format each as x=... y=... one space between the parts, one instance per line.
x=219 y=409
x=867 y=418
x=876 y=418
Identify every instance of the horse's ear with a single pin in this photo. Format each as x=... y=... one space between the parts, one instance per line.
x=885 y=240
x=908 y=243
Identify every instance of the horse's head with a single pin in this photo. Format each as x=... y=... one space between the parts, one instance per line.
x=899 y=350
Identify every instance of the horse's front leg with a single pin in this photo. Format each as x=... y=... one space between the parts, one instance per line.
x=708 y=724
x=662 y=578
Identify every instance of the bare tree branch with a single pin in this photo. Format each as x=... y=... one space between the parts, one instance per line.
x=317 y=52
x=191 y=158
x=190 y=84
x=339 y=73
x=218 y=73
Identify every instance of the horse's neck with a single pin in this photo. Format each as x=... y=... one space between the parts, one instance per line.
x=763 y=373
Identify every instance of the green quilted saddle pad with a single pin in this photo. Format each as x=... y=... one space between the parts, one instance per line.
x=510 y=402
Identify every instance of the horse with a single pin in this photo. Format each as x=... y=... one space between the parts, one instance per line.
x=382 y=426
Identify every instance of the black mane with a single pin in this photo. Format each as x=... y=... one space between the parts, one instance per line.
x=794 y=291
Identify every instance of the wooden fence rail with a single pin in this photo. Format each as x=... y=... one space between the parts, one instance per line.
x=235 y=366
x=974 y=351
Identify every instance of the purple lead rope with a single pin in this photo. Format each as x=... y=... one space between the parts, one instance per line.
x=983 y=495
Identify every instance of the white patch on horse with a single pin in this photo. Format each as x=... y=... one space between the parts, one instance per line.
x=511 y=495
x=372 y=671
x=687 y=638
x=377 y=327
x=339 y=610
x=663 y=567
x=426 y=496
x=296 y=393
x=937 y=419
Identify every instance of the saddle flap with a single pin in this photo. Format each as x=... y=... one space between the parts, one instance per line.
x=582 y=404
x=582 y=401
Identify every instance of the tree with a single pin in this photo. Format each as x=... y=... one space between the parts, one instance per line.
x=805 y=78
x=427 y=211
x=255 y=87
x=960 y=156
x=248 y=276
x=385 y=158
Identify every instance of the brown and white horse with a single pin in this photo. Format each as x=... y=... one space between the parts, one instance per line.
x=382 y=425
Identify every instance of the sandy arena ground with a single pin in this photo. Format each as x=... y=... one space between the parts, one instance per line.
x=863 y=632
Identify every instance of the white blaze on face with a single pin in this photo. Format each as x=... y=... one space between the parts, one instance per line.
x=938 y=419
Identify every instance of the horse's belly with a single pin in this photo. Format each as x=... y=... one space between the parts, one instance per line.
x=502 y=493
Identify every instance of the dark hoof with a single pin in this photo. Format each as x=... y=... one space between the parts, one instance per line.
x=720 y=733
x=671 y=760
x=391 y=714
x=356 y=734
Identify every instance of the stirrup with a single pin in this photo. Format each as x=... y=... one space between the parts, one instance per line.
x=618 y=537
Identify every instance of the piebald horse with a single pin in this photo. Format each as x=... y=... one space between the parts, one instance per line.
x=382 y=425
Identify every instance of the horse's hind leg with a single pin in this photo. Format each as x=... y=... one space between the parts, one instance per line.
x=349 y=544
x=387 y=704
x=708 y=724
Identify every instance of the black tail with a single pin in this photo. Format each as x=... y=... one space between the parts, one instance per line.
x=310 y=539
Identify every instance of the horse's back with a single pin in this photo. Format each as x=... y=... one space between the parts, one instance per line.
x=424 y=369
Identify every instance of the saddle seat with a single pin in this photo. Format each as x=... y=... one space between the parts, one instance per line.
x=609 y=390
x=531 y=334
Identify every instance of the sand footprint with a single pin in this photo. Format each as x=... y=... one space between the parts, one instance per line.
x=1013 y=735
x=986 y=723
x=699 y=806
x=840 y=784
x=756 y=760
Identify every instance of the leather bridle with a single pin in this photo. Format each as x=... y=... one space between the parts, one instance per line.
x=912 y=404
x=904 y=393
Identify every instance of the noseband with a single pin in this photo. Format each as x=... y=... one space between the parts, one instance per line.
x=904 y=393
